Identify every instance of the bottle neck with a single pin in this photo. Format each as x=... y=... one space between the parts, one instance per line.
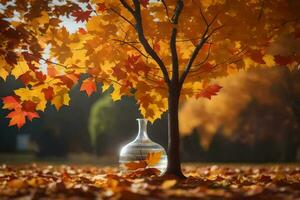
x=142 y=134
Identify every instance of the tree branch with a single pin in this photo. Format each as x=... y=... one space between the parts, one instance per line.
x=174 y=20
x=131 y=45
x=204 y=60
x=200 y=44
x=166 y=8
x=127 y=6
x=117 y=13
x=143 y=40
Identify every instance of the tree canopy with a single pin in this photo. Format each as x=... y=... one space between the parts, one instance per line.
x=136 y=47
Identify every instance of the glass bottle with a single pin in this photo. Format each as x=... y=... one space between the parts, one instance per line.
x=142 y=152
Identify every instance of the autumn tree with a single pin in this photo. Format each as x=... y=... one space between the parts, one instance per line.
x=162 y=52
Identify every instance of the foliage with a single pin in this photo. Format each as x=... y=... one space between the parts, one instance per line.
x=236 y=109
x=214 y=182
x=140 y=48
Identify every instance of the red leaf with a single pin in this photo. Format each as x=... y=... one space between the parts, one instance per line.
x=48 y=93
x=210 y=91
x=32 y=115
x=28 y=106
x=101 y=7
x=82 y=31
x=26 y=78
x=144 y=3
x=67 y=80
x=81 y=15
x=207 y=67
x=119 y=73
x=133 y=59
x=282 y=60
x=89 y=86
x=257 y=56
x=11 y=103
x=40 y=76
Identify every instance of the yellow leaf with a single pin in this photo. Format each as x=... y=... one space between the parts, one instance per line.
x=115 y=95
x=269 y=60
x=19 y=69
x=61 y=98
x=43 y=19
x=168 y=184
x=153 y=158
x=105 y=86
x=33 y=95
x=3 y=73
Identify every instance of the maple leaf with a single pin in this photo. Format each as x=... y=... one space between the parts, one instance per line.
x=17 y=118
x=101 y=7
x=136 y=165
x=61 y=98
x=11 y=102
x=89 y=86
x=133 y=59
x=81 y=15
x=210 y=91
x=119 y=73
x=153 y=158
x=144 y=3
x=32 y=115
x=40 y=76
x=48 y=93
x=26 y=78
x=28 y=106
x=3 y=73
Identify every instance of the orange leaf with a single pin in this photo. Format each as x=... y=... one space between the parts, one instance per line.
x=11 y=103
x=210 y=91
x=89 y=86
x=32 y=115
x=17 y=117
x=136 y=165
x=153 y=158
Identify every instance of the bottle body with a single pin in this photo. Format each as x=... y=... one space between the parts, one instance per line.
x=142 y=152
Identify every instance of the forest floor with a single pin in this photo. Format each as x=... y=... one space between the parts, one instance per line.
x=253 y=182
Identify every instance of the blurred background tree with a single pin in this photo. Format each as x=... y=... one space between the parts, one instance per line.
x=254 y=118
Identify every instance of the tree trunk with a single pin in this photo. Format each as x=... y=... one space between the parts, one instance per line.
x=174 y=166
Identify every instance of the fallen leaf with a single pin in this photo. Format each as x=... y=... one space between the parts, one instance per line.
x=168 y=184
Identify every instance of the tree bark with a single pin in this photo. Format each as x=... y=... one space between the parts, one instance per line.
x=174 y=164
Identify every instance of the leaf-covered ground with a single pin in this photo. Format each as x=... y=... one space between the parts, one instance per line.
x=203 y=182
